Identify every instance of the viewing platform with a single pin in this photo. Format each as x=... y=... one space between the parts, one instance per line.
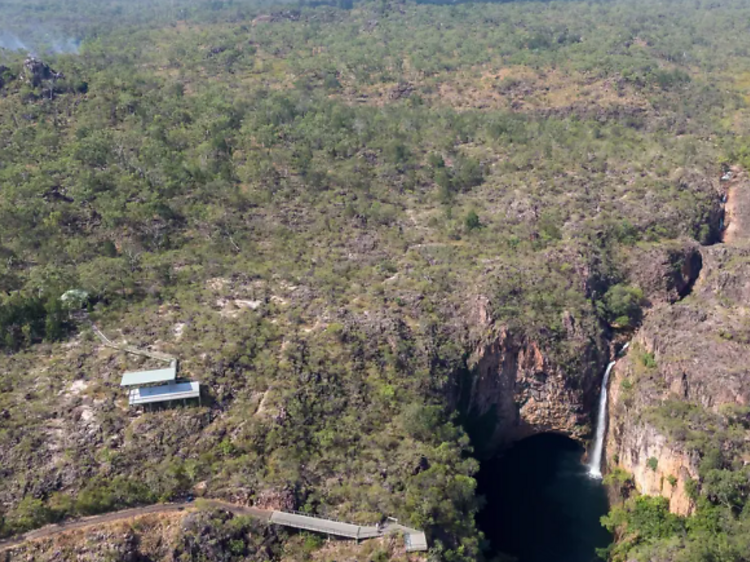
x=415 y=540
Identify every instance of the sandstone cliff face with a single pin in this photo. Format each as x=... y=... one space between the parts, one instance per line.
x=736 y=207
x=692 y=353
x=632 y=444
x=524 y=392
x=516 y=386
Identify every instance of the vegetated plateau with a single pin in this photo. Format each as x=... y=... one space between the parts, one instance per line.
x=390 y=239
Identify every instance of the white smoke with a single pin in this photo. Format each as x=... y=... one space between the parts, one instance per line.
x=67 y=46
x=39 y=43
x=11 y=42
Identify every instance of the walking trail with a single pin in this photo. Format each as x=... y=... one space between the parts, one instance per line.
x=415 y=540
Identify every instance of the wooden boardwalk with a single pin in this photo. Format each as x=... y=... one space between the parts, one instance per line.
x=415 y=540
x=327 y=526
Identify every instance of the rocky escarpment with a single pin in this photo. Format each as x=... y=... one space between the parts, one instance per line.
x=515 y=389
x=736 y=205
x=658 y=465
x=686 y=368
x=665 y=272
x=518 y=384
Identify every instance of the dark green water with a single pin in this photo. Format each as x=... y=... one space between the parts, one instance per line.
x=541 y=504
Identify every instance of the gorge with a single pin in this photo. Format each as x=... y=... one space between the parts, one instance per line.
x=542 y=504
x=544 y=496
x=542 y=501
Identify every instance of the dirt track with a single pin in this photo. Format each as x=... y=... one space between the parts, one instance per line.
x=736 y=208
x=133 y=513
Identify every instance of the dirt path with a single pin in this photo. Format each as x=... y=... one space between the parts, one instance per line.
x=736 y=208
x=730 y=225
x=133 y=513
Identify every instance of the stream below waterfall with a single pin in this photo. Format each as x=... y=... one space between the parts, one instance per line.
x=542 y=503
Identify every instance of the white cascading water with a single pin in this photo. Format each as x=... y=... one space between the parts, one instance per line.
x=595 y=461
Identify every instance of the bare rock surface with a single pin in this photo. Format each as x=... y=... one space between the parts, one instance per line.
x=517 y=386
x=525 y=392
x=36 y=71
x=692 y=354
x=666 y=272
x=737 y=206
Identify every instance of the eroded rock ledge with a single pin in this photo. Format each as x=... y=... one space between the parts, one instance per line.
x=517 y=386
x=693 y=355
x=519 y=390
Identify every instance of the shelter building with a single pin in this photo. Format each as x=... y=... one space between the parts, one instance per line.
x=142 y=386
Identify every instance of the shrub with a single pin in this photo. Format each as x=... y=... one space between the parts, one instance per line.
x=472 y=221
x=621 y=305
x=643 y=519
x=648 y=360
x=467 y=173
x=380 y=555
x=30 y=513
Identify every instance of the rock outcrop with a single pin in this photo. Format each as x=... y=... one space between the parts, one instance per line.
x=692 y=354
x=36 y=72
x=515 y=386
x=665 y=273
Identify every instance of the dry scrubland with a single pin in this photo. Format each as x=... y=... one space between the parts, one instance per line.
x=388 y=239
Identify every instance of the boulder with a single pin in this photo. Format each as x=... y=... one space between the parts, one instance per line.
x=36 y=72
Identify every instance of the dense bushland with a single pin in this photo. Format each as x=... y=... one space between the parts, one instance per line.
x=315 y=194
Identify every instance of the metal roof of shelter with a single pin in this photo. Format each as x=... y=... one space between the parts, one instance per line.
x=164 y=393
x=149 y=377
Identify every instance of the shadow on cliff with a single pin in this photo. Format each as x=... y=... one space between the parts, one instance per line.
x=479 y=426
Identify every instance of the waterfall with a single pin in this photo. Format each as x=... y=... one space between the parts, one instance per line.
x=595 y=461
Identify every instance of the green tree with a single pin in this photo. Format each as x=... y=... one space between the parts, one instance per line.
x=472 y=221
x=622 y=305
x=53 y=324
x=29 y=514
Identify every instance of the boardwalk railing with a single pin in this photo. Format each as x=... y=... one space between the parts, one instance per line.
x=326 y=526
x=415 y=540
